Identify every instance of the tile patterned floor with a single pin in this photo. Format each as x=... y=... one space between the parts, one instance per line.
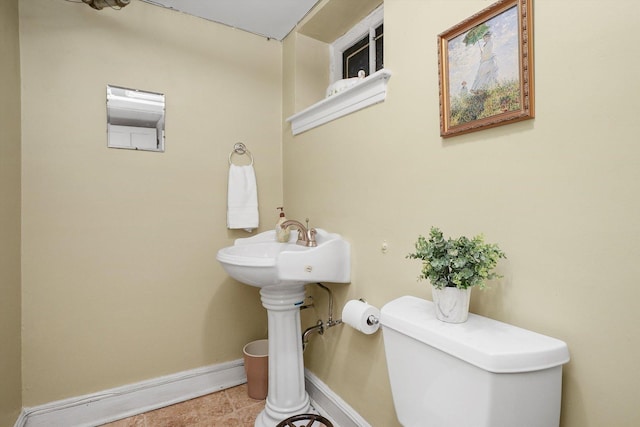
x=227 y=408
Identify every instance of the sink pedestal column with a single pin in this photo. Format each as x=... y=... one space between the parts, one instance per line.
x=286 y=396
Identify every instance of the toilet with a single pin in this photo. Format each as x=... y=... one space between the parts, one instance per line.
x=481 y=373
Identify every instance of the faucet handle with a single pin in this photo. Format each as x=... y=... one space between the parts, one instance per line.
x=312 y=237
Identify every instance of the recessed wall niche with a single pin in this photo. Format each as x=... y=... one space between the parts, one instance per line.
x=135 y=119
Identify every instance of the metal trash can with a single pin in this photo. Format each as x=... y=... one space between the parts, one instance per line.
x=256 y=366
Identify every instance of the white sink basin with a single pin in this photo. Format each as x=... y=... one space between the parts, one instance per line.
x=262 y=261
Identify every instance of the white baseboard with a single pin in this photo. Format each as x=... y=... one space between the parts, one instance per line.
x=126 y=401
x=110 y=405
x=330 y=405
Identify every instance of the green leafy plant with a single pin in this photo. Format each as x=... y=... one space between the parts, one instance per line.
x=460 y=263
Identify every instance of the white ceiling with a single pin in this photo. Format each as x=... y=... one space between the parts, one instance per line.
x=268 y=18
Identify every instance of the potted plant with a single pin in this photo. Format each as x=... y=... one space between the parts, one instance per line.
x=454 y=266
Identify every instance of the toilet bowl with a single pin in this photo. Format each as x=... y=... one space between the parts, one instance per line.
x=481 y=373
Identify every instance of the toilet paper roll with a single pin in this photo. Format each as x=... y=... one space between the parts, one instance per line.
x=361 y=316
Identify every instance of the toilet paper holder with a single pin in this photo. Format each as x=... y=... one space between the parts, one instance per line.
x=320 y=327
x=371 y=320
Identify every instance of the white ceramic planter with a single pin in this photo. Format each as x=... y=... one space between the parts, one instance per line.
x=451 y=304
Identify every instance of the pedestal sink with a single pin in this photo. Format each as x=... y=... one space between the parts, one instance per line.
x=281 y=271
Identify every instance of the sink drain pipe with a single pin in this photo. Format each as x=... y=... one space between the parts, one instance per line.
x=320 y=326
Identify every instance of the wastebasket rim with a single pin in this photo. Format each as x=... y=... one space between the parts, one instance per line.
x=262 y=349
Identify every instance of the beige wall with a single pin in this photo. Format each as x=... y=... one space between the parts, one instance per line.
x=10 y=397
x=120 y=280
x=558 y=193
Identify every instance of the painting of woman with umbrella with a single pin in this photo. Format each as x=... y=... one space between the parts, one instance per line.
x=493 y=50
x=487 y=75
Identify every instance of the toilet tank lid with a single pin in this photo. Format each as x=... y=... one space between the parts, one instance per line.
x=486 y=343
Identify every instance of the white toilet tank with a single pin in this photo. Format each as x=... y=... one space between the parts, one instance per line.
x=481 y=373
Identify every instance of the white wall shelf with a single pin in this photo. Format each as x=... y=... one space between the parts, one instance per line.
x=371 y=90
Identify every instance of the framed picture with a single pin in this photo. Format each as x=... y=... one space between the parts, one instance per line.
x=486 y=69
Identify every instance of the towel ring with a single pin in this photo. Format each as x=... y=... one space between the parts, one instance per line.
x=240 y=149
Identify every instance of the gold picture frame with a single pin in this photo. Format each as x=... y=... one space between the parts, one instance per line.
x=485 y=68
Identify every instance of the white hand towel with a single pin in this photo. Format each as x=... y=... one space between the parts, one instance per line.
x=242 y=198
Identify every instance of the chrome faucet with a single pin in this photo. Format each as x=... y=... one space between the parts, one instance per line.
x=306 y=236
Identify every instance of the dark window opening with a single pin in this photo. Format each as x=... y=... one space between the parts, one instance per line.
x=356 y=57
x=379 y=50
